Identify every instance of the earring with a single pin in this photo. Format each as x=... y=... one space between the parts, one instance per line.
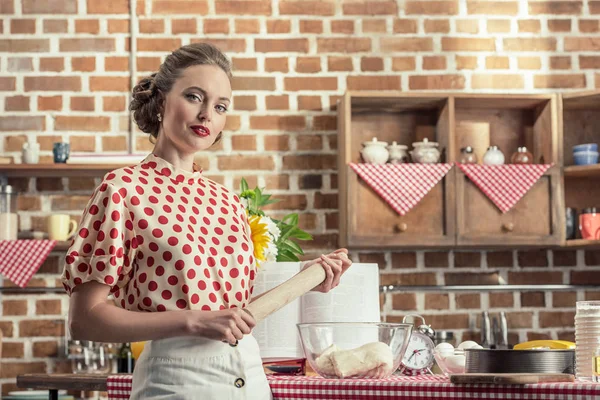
x=159 y=117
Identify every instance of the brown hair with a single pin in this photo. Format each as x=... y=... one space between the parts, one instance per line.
x=148 y=93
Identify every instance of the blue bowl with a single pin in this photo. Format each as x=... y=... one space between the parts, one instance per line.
x=585 y=147
x=586 y=158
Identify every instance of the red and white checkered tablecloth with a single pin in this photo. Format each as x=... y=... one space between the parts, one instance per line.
x=402 y=186
x=505 y=184
x=20 y=259
x=396 y=388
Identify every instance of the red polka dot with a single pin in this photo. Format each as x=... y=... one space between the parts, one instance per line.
x=160 y=270
x=148 y=211
x=94 y=209
x=213 y=202
x=212 y=297
x=210 y=210
x=224 y=262
x=187 y=249
x=114 y=233
x=238 y=296
x=147 y=301
x=191 y=274
x=139 y=189
x=150 y=261
x=173 y=280
x=232 y=239
x=169 y=198
x=197 y=260
x=109 y=280
x=70 y=259
x=216 y=286
x=205 y=308
x=240 y=259
x=126 y=179
x=228 y=286
x=152 y=286
x=130 y=299
x=234 y=272
x=116 y=198
x=143 y=277
x=157 y=233
x=82 y=267
x=216 y=241
x=207 y=273
x=220 y=273
x=167 y=256
x=167 y=208
x=143 y=224
x=211 y=262
x=195 y=299
x=226 y=297
x=245 y=247
x=153 y=246
x=201 y=285
x=173 y=241
x=181 y=304
x=185 y=289
x=229 y=250
x=179 y=265
x=166 y=294
x=161 y=307
x=129 y=225
x=84 y=233
x=177 y=228
x=163 y=220
x=165 y=172
x=213 y=251
x=156 y=189
x=100 y=236
x=153 y=200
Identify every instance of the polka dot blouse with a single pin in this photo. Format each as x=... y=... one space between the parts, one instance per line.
x=164 y=239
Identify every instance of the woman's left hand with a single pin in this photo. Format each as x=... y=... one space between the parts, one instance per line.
x=335 y=264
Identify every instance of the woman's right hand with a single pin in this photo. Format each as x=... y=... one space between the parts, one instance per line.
x=225 y=325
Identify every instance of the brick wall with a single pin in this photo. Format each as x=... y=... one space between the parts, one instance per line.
x=66 y=69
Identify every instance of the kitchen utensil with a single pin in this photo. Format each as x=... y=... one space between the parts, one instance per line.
x=502 y=337
x=486 y=330
x=9 y=220
x=519 y=361
x=316 y=338
x=287 y=292
x=510 y=379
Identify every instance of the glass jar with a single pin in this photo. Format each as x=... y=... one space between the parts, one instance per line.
x=493 y=156
x=521 y=156
x=9 y=220
x=467 y=156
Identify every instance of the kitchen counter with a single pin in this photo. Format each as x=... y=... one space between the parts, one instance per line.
x=304 y=387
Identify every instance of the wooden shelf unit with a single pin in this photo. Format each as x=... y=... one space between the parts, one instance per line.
x=582 y=243
x=582 y=171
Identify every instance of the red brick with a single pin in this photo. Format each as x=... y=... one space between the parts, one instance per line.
x=49 y=103
x=148 y=63
x=344 y=27
x=399 y=44
x=55 y=26
x=555 y=7
x=501 y=300
x=109 y=83
x=436 y=259
x=276 y=142
x=311 y=26
x=468 y=300
x=431 y=7
x=371 y=64
x=404 y=64
x=533 y=299
x=339 y=63
x=243 y=7
x=10 y=123
x=116 y=64
x=497 y=81
x=409 y=279
x=279 y=26
x=281 y=45
x=83 y=64
x=404 y=260
x=468 y=44
x=216 y=25
x=66 y=123
x=497 y=62
x=16 y=64
x=87 y=26
x=82 y=103
x=434 y=62
x=560 y=62
x=246 y=162
x=589 y=25
x=324 y=123
x=13 y=369
x=14 y=307
x=373 y=25
x=436 y=82
x=45 y=327
x=308 y=7
x=13 y=350
x=467 y=26
x=529 y=26
x=198 y=7
x=437 y=26
x=7 y=7
x=253 y=83
x=589 y=62
x=559 y=81
x=308 y=64
x=164 y=44
x=405 y=25
x=386 y=7
x=468 y=278
x=276 y=64
x=564 y=299
x=24 y=45
x=309 y=103
x=493 y=7
x=16 y=103
x=108 y=7
x=498 y=26
x=517 y=320
x=49 y=7
x=312 y=83
x=585 y=278
x=48 y=307
x=437 y=301
x=113 y=103
x=559 y=319
x=152 y=26
x=343 y=45
x=404 y=301
x=530 y=44
x=286 y=122
x=22 y=26
x=466 y=62
x=467 y=259
x=277 y=102
x=535 y=278
x=54 y=64
x=118 y=25
x=184 y=25
x=529 y=63
x=247 y=26
x=559 y=25
x=47 y=348
x=304 y=162
x=375 y=82
x=100 y=45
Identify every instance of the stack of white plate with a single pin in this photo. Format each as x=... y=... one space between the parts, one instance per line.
x=587 y=337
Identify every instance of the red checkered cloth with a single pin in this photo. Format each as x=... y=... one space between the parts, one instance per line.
x=504 y=184
x=396 y=387
x=402 y=186
x=119 y=386
x=20 y=259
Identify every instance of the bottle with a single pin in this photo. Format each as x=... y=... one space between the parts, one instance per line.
x=125 y=360
x=596 y=365
x=467 y=156
x=522 y=156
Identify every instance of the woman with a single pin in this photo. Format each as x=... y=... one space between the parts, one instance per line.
x=174 y=248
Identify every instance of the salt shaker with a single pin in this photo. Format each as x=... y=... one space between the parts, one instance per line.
x=493 y=156
x=467 y=156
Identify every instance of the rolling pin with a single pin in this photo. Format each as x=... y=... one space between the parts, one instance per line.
x=287 y=292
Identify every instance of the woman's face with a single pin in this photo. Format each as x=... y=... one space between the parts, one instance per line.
x=195 y=108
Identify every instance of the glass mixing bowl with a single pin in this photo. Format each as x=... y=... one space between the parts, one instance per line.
x=385 y=341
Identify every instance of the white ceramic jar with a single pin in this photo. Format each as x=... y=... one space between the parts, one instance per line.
x=398 y=153
x=31 y=153
x=375 y=152
x=493 y=156
x=425 y=152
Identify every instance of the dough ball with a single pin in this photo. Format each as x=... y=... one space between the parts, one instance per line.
x=324 y=362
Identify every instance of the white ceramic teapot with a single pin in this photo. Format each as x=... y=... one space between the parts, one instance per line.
x=375 y=152
x=425 y=152
x=398 y=153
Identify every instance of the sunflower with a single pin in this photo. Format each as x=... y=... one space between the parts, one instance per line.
x=260 y=237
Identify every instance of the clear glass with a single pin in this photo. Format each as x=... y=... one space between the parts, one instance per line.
x=318 y=337
x=450 y=362
x=587 y=337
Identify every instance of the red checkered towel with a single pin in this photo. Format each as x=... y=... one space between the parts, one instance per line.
x=505 y=184
x=402 y=186
x=20 y=259
x=119 y=386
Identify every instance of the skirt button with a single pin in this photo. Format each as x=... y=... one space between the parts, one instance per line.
x=239 y=382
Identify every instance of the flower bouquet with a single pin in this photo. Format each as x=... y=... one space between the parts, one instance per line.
x=273 y=239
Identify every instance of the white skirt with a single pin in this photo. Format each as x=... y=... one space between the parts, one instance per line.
x=196 y=368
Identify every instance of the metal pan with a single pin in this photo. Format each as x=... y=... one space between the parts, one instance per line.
x=519 y=361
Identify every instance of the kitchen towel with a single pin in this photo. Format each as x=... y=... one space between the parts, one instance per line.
x=504 y=184
x=20 y=259
x=402 y=186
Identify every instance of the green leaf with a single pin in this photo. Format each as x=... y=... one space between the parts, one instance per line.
x=292 y=246
x=286 y=255
x=244 y=185
x=291 y=219
x=300 y=234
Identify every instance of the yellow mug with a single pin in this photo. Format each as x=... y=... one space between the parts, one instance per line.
x=61 y=227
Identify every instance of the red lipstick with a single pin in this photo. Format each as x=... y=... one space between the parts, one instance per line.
x=200 y=130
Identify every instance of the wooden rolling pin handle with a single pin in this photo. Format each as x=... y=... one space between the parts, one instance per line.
x=287 y=292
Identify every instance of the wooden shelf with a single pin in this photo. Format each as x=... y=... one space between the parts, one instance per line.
x=582 y=243
x=57 y=170
x=582 y=171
